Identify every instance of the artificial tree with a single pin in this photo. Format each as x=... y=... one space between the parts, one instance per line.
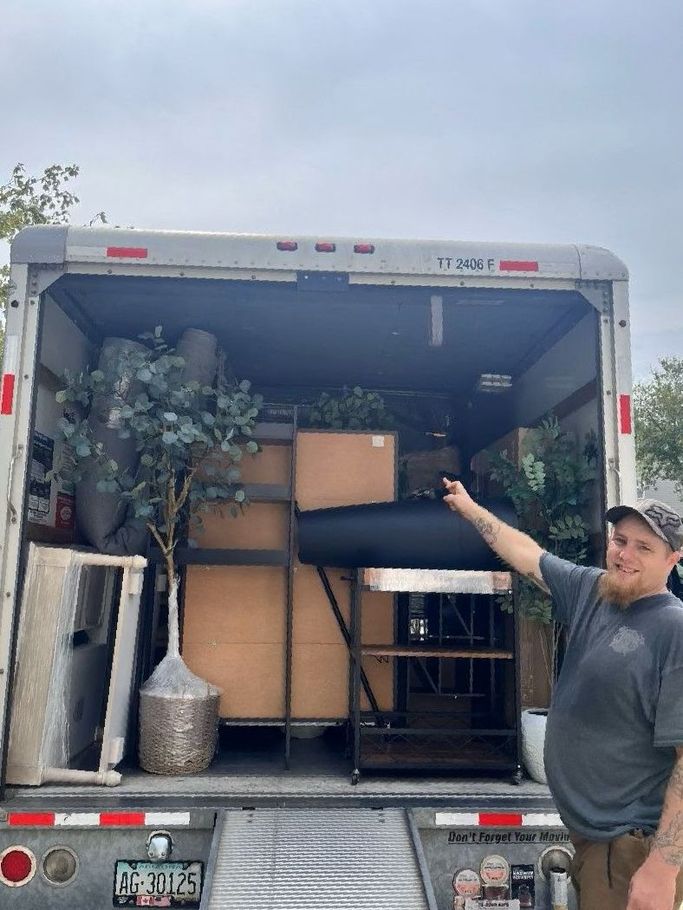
x=190 y=439
x=550 y=487
x=351 y=409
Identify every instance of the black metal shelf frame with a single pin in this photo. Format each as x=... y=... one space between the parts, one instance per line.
x=384 y=740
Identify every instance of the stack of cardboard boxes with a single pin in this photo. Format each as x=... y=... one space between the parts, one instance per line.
x=235 y=619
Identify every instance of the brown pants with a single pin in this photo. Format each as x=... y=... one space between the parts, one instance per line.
x=602 y=870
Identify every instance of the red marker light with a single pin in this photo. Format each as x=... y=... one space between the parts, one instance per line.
x=9 y=370
x=518 y=265
x=364 y=248
x=287 y=246
x=7 y=393
x=17 y=866
x=625 y=414
x=126 y=252
x=500 y=819
x=119 y=819
x=325 y=247
x=42 y=819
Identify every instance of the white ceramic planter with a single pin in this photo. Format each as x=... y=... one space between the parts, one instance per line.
x=533 y=739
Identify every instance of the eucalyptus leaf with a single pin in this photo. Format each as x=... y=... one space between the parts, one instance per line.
x=174 y=429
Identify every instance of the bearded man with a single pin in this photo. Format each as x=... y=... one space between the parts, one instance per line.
x=614 y=739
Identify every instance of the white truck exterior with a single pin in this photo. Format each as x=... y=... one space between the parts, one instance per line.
x=449 y=814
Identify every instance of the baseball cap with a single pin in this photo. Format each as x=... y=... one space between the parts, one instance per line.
x=664 y=521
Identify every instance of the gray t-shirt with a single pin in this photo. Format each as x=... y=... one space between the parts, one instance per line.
x=617 y=709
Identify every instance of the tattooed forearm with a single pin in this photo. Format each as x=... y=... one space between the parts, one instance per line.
x=668 y=840
x=538 y=581
x=515 y=548
x=487 y=529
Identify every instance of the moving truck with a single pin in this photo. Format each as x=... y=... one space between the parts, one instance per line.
x=468 y=344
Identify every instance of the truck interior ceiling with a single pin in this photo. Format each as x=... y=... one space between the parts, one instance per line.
x=322 y=333
x=457 y=367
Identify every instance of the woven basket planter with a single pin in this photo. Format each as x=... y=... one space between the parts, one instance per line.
x=178 y=735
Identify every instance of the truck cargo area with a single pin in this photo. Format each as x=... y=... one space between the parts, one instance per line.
x=458 y=368
x=372 y=690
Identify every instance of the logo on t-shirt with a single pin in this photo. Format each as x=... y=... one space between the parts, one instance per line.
x=626 y=641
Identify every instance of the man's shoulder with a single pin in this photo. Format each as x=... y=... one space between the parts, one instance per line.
x=670 y=611
x=563 y=567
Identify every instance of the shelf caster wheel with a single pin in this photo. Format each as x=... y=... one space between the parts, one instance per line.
x=517 y=777
x=355 y=777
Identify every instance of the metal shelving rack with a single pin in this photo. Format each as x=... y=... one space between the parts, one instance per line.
x=409 y=739
x=269 y=433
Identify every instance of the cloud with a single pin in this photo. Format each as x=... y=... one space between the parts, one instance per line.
x=464 y=119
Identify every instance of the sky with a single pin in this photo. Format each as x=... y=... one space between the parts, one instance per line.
x=504 y=120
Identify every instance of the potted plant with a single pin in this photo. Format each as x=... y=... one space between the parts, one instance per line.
x=352 y=409
x=189 y=439
x=550 y=485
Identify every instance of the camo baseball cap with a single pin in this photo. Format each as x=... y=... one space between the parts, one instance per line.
x=664 y=521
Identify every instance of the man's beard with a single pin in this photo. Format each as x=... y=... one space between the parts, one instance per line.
x=613 y=590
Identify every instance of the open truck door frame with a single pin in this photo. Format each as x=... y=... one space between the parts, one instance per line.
x=40 y=256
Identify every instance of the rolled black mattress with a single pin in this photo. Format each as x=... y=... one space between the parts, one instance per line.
x=411 y=534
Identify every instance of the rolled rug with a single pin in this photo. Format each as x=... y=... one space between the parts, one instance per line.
x=411 y=534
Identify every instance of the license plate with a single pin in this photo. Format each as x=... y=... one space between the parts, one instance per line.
x=142 y=884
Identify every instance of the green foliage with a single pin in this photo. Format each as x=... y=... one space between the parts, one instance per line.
x=549 y=491
x=658 y=411
x=190 y=438
x=353 y=409
x=26 y=200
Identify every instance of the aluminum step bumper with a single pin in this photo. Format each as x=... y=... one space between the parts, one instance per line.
x=294 y=859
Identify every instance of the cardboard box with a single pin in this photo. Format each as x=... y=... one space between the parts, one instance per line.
x=424 y=470
x=234 y=627
x=335 y=468
x=262 y=526
x=250 y=675
x=234 y=634
x=344 y=468
x=234 y=605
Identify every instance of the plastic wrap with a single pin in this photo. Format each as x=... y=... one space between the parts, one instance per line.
x=46 y=697
x=199 y=349
x=178 y=711
x=39 y=732
x=114 y=362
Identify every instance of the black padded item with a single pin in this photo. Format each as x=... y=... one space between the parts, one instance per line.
x=411 y=534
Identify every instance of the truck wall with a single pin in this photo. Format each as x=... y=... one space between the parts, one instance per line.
x=51 y=507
